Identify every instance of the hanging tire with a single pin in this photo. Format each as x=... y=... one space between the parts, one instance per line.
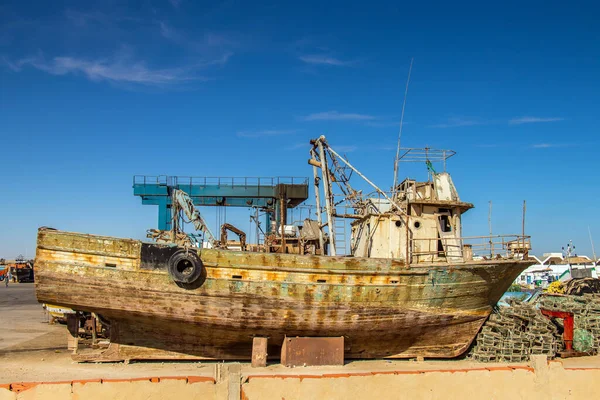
x=185 y=267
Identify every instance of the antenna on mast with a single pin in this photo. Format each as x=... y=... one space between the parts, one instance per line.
x=592 y=242
x=400 y=131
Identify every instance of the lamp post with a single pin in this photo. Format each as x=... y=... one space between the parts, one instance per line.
x=567 y=254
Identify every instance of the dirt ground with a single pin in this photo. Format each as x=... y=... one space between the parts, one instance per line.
x=32 y=350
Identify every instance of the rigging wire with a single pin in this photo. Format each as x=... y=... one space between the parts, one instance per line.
x=400 y=130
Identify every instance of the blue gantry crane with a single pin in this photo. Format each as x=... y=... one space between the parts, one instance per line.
x=268 y=194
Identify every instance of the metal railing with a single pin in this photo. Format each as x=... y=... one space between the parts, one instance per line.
x=470 y=248
x=165 y=180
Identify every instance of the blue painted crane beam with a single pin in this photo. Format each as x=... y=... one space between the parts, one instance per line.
x=230 y=192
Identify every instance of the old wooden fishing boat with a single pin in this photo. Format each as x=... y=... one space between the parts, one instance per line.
x=411 y=285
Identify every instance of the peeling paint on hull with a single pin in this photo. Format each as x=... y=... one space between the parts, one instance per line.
x=380 y=306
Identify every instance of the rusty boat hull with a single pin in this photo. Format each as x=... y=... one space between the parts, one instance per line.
x=382 y=307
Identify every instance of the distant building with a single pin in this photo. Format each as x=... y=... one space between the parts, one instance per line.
x=554 y=266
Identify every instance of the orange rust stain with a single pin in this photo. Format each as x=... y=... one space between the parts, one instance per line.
x=22 y=386
x=84 y=381
x=199 y=379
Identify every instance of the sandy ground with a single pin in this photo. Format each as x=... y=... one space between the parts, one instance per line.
x=32 y=350
x=22 y=319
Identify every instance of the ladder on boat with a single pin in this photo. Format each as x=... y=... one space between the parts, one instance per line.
x=340 y=236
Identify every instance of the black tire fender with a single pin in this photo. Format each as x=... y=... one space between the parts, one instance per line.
x=185 y=266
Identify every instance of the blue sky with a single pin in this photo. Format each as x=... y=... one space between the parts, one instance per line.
x=91 y=94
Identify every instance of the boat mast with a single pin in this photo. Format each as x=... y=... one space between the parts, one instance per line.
x=328 y=195
x=592 y=242
x=313 y=157
x=400 y=131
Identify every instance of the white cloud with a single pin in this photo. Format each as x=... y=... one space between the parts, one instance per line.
x=210 y=42
x=345 y=148
x=337 y=116
x=169 y=33
x=530 y=120
x=549 y=145
x=324 y=60
x=384 y=124
x=266 y=132
x=455 y=122
x=83 y=19
x=299 y=145
x=118 y=69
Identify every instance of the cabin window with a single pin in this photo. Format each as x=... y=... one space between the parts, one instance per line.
x=417 y=224
x=321 y=280
x=110 y=265
x=445 y=224
x=236 y=277
x=398 y=224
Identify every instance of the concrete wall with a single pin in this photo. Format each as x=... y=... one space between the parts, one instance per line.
x=127 y=389
x=550 y=381
x=541 y=380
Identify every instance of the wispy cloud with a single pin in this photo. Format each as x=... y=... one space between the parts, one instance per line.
x=210 y=42
x=532 y=120
x=385 y=148
x=322 y=59
x=175 y=3
x=85 y=18
x=266 y=132
x=550 y=145
x=455 y=122
x=383 y=124
x=337 y=116
x=169 y=33
x=345 y=148
x=82 y=18
x=299 y=145
x=121 y=68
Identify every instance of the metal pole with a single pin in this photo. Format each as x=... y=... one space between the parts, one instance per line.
x=328 y=202
x=318 y=201
x=282 y=221
x=490 y=225
x=523 y=227
x=444 y=157
x=592 y=242
x=257 y=238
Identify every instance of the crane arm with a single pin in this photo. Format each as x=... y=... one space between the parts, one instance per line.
x=241 y=234
x=183 y=202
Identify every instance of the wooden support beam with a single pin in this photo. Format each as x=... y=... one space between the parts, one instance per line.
x=72 y=332
x=259 y=352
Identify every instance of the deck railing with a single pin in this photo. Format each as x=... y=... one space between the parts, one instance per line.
x=470 y=248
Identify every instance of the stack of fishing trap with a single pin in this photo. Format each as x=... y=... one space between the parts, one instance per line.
x=514 y=333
